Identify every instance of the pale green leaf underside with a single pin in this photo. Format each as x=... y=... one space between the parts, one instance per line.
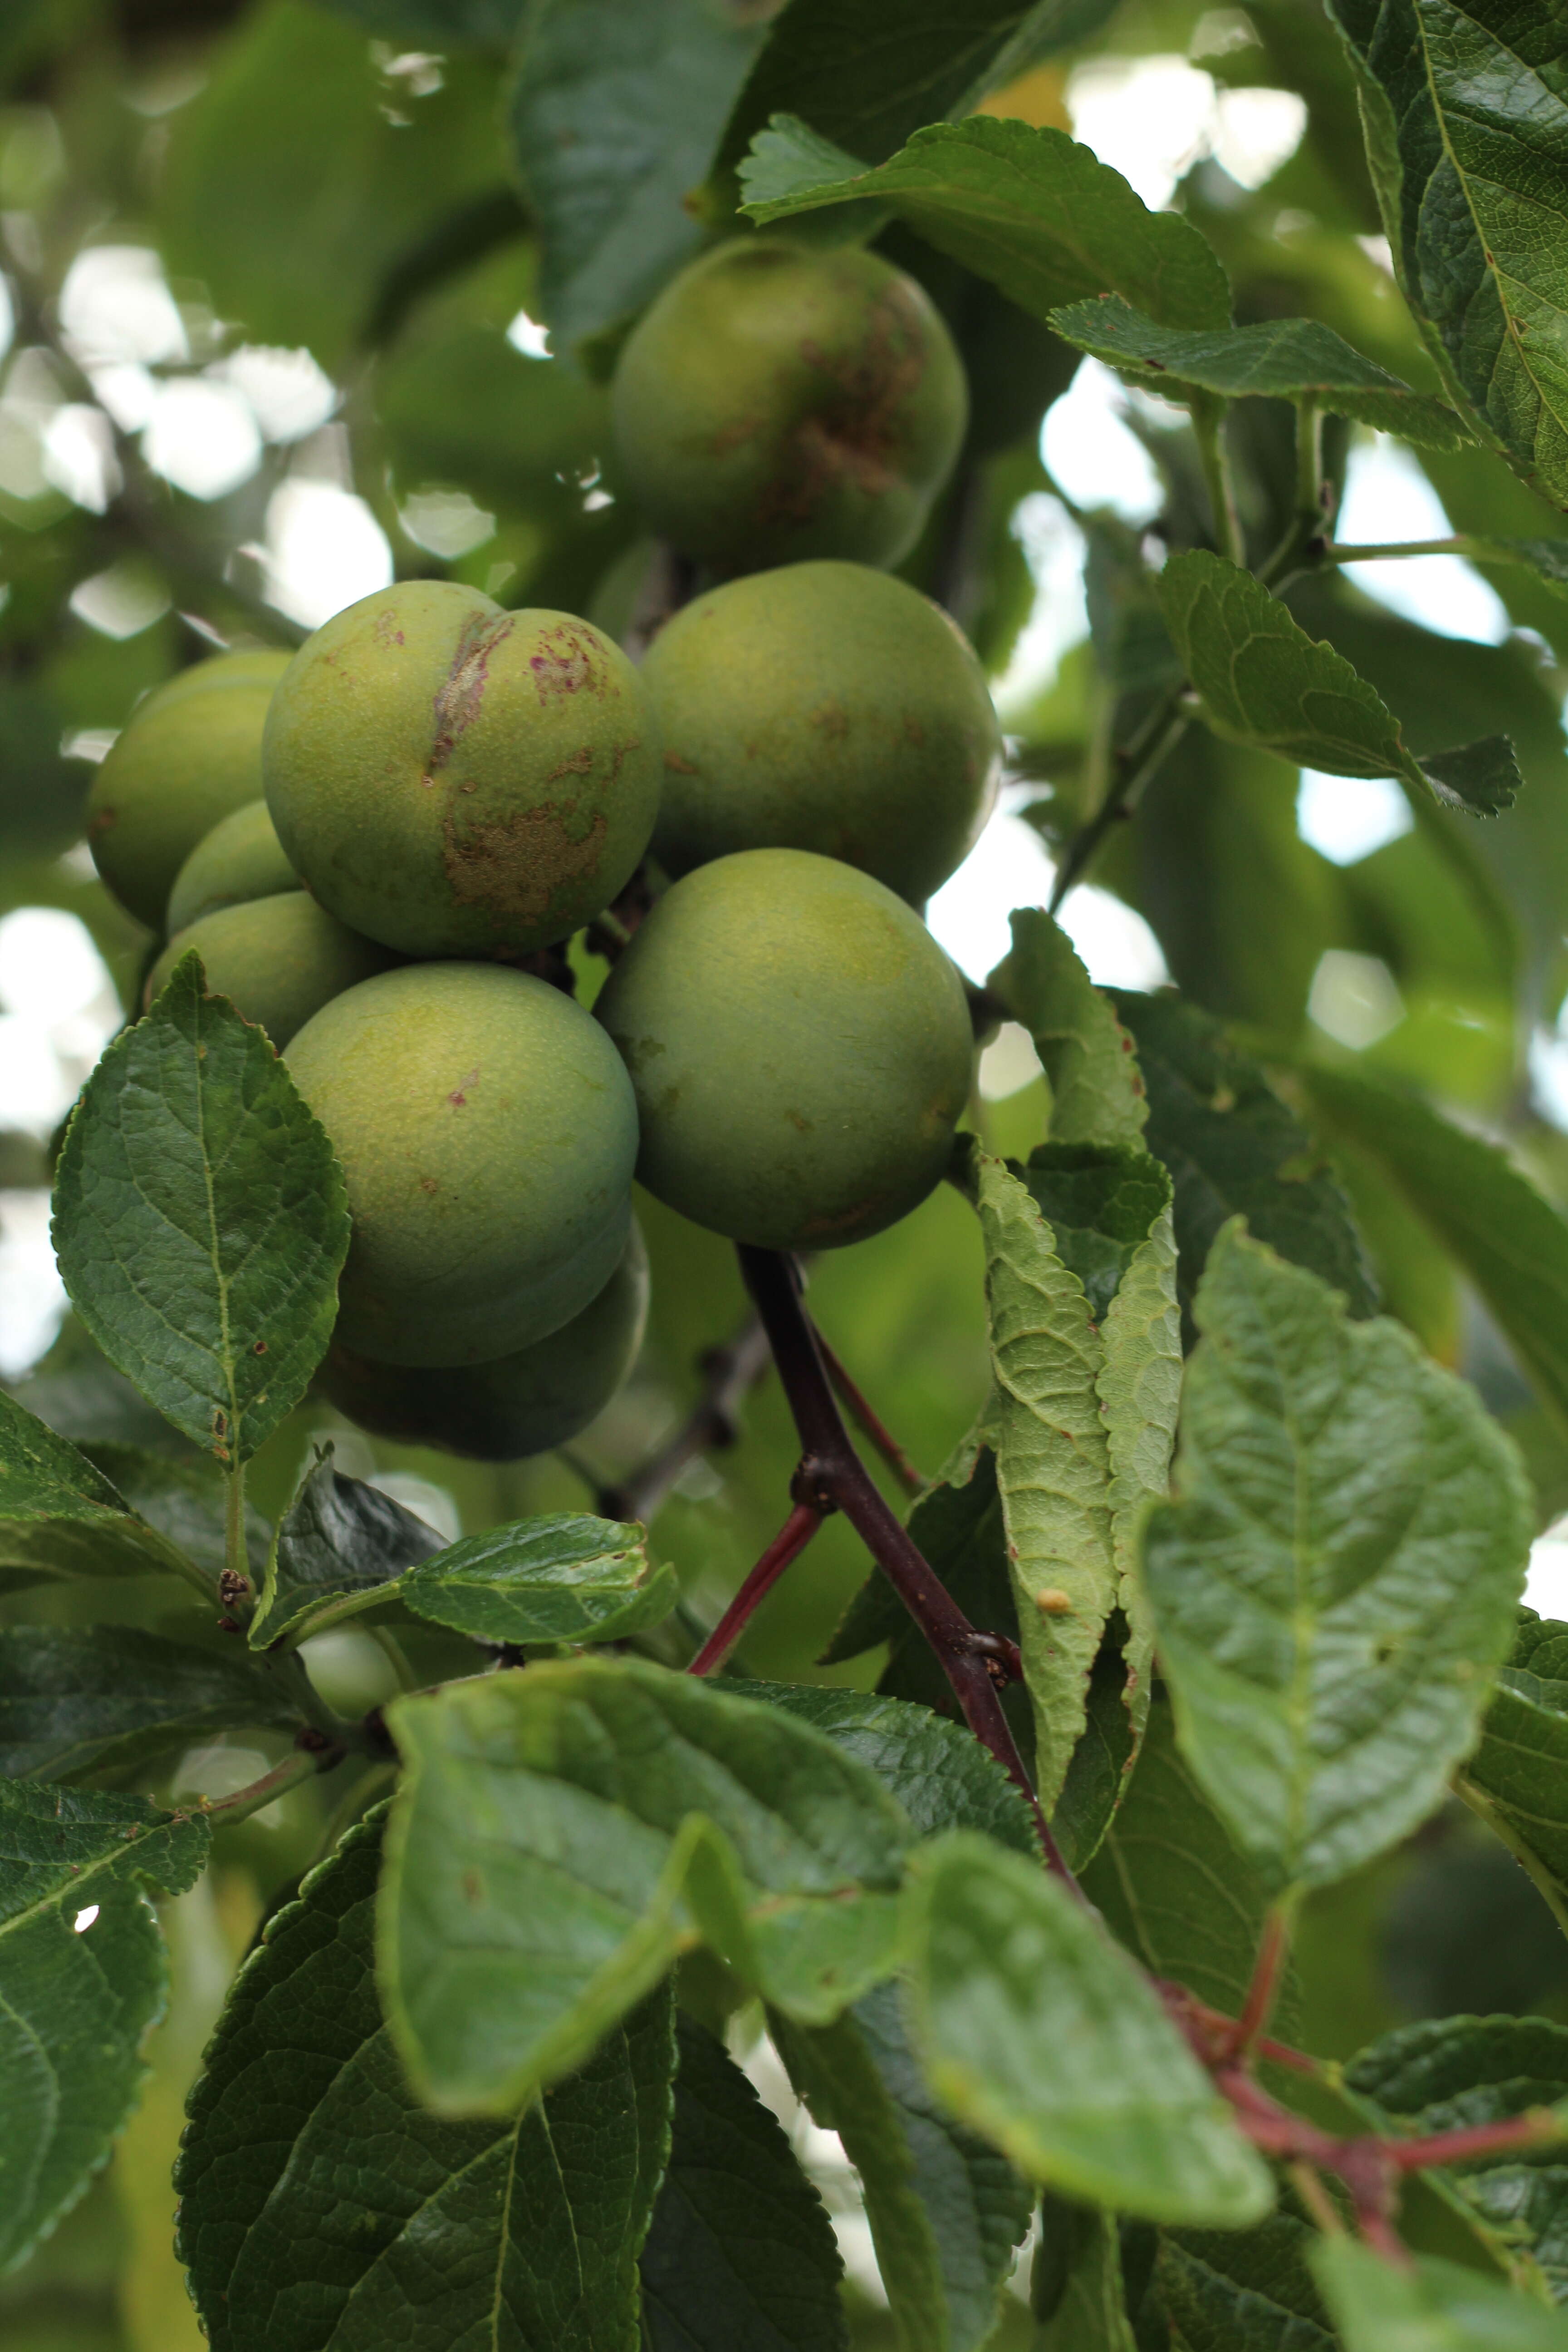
x=1140 y=1390
x=1082 y=2262
x=75 y=2007
x=1031 y=210
x=200 y=1220
x=1039 y=2033
x=1097 y=1093
x=1335 y=1586
x=59 y=1516
x=1263 y=682
x=1277 y=359
x=562 y=1833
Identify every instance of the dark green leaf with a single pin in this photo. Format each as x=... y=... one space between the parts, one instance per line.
x=1076 y=2287
x=616 y=113
x=1043 y=2036
x=741 y=2253
x=1506 y=1236
x=59 y=1516
x=1031 y=210
x=868 y=83
x=1277 y=359
x=524 y=2234
x=1172 y=1884
x=563 y=1833
x=338 y=1538
x=1467 y=138
x=1232 y=1147
x=1335 y=1586
x=1097 y=1774
x=1099 y=1203
x=945 y=2210
x=83 y=1975
x=1097 y=1090
x=76 y=1700
x=1434 y=2307
x=185 y=1501
x=200 y=1220
x=1263 y=682
x=566 y=1579
x=1245 y=2290
x=1517 y=1778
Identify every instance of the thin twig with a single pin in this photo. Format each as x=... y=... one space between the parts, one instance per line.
x=712 y=1424
x=1159 y=736
x=303 y=1765
x=788 y=1544
x=860 y=1411
x=1273 y=1949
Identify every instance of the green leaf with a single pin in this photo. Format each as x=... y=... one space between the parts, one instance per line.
x=1250 y=2289
x=1075 y=2288
x=186 y=1501
x=616 y=110
x=200 y=1220
x=76 y=1700
x=75 y=2007
x=1547 y=558
x=1435 y=2306
x=1464 y=116
x=319 y=2202
x=561 y=1834
x=1031 y=210
x=945 y=2210
x=563 y=1579
x=1100 y=1203
x=1053 y=1468
x=1508 y=1240
x=1263 y=682
x=1097 y=1776
x=937 y=1770
x=1139 y=1387
x=1097 y=1089
x=841 y=67
x=1335 y=1586
x=1172 y=1884
x=59 y=1516
x=1276 y=358
x=339 y=1537
x=1232 y=1147
x=740 y=2251
x=1517 y=1778
x=1042 y=2035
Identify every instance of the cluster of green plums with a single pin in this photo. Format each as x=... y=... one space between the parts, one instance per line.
x=364 y=841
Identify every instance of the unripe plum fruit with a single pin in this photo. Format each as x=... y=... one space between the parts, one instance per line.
x=824 y=706
x=524 y=1404
x=187 y=755
x=277 y=959
x=488 y=1132
x=800 y=1046
x=456 y=780
x=778 y=401
x=241 y=858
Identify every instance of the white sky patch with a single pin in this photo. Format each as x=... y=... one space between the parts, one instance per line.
x=1346 y=818
x=324 y=550
x=427 y=1501
x=1117 y=946
x=115 y=305
x=1096 y=458
x=122 y=602
x=288 y=394
x=1152 y=118
x=79 y=457
x=202 y=437
x=1355 y=999
x=1546 y=1585
x=32 y=1295
x=1053 y=549
x=1387 y=497
x=1010 y=866
x=447 y=523
x=8 y=317
x=527 y=336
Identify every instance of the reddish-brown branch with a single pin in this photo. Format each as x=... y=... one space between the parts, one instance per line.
x=788 y=1544
x=1263 y=1991
x=861 y=1412
x=831 y=1473
x=1531 y=2129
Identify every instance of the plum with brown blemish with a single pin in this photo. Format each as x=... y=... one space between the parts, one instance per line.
x=187 y=756
x=525 y=1403
x=779 y=402
x=486 y=1132
x=800 y=1048
x=456 y=780
x=824 y=706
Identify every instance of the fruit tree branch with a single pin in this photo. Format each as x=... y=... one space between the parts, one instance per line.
x=713 y=1423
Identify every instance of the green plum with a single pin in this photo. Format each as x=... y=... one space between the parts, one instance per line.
x=456 y=780
x=779 y=401
x=488 y=1133
x=824 y=706
x=277 y=959
x=524 y=1404
x=241 y=858
x=187 y=755
x=800 y=1046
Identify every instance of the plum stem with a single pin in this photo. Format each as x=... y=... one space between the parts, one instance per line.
x=791 y=1541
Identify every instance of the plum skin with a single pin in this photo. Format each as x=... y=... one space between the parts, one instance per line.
x=827 y=706
x=800 y=1046
x=488 y=1132
x=456 y=780
x=240 y=859
x=777 y=402
x=278 y=960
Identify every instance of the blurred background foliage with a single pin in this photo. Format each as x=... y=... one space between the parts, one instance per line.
x=273 y=333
